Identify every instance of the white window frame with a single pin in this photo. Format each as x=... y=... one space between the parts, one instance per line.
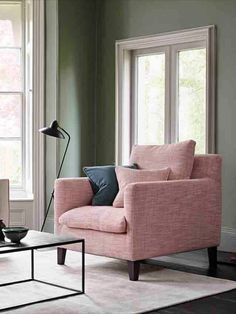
x=28 y=209
x=38 y=114
x=134 y=55
x=25 y=191
x=124 y=112
x=22 y=93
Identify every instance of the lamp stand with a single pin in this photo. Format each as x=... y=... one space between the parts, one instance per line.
x=58 y=175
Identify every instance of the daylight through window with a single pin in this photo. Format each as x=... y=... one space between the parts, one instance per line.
x=14 y=97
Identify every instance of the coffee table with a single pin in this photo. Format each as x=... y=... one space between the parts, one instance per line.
x=41 y=240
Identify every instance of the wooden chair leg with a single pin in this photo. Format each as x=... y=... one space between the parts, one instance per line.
x=61 y=256
x=212 y=256
x=233 y=257
x=133 y=269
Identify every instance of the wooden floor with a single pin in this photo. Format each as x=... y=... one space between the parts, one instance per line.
x=196 y=262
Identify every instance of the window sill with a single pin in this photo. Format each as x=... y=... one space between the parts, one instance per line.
x=21 y=199
x=21 y=196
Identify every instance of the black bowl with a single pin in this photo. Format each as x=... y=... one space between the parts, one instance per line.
x=15 y=234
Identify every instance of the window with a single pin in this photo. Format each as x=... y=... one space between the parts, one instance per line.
x=149 y=97
x=165 y=90
x=191 y=96
x=15 y=98
x=22 y=94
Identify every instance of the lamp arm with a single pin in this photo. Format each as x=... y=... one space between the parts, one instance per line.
x=58 y=175
x=64 y=155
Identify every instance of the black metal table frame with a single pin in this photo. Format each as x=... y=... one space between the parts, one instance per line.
x=74 y=292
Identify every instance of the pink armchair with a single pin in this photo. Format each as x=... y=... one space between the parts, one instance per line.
x=158 y=218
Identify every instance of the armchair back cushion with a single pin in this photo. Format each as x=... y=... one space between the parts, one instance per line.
x=126 y=176
x=104 y=183
x=179 y=157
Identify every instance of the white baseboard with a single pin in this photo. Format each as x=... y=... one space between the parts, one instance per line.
x=228 y=240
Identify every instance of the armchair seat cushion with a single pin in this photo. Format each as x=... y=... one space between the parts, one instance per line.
x=102 y=218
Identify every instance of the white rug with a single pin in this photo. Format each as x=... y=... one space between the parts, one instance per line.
x=108 y=289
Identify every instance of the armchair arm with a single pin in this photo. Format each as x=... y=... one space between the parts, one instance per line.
x=172 y=216
x=4 y=201
x=70 y=193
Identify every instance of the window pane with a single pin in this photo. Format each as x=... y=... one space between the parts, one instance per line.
x=10 y=115
x=151 y=99
x=10 y=161
x=192 y=97
x=10 y=70
x=10 y=25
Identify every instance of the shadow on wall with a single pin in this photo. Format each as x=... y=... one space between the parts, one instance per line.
x=77 y=81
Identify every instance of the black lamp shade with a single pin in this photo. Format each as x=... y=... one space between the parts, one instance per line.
x=53 y=130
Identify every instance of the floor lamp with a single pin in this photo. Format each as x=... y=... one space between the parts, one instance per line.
x=56 y=131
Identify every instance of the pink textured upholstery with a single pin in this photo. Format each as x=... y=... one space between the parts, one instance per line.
x=70 y=193
x=179 y=157
x=207 y=166
x=100 y=218
x=162 y=217
x=179 y=216
x=126 y=176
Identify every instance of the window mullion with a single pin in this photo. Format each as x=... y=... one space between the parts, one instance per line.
x=16 y=138
x=133 y=109
x=11 y=93
x=173 y=95
x=167 y=95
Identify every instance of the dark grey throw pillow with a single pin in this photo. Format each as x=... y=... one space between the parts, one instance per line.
x=104 y=183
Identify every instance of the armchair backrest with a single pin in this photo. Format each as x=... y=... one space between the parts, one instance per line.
x=180 y=158
x=4 y=201
x=207 y=166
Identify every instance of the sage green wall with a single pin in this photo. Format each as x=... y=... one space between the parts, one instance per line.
x=77 y=30
x=118 y=19
x=89 y=113
x=70 y=86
